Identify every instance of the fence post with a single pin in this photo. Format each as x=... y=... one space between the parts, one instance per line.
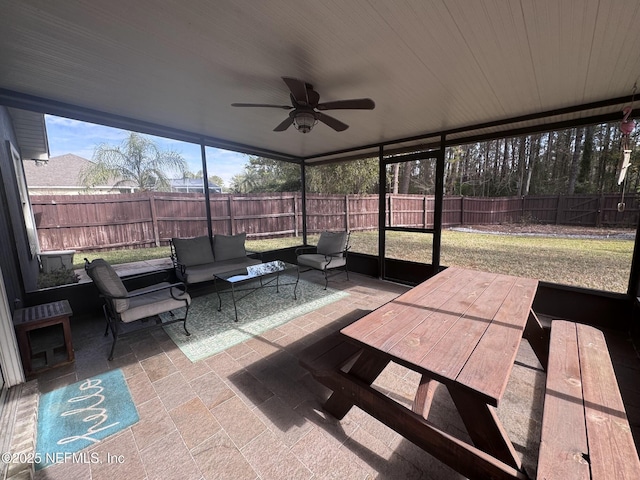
x=390 y=211
x=462 y=210
x=295 y=214
x=231 y=217
x=424 y=213
x=154 y=218
x=559 y=209
x=599 y=212
x=346 y=212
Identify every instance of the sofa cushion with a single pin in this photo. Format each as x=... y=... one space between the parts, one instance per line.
x=332 y=243
x=226 y=247
x=205 y=273
x=193 y=251
x=108 y=283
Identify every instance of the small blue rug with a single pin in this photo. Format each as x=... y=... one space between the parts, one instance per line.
x=79 y=415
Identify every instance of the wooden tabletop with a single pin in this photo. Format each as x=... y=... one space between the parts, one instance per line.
x=461 y=327
x=37 y=313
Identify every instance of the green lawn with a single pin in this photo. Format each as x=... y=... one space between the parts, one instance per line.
x=592 y=263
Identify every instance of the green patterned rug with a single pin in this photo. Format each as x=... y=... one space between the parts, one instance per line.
x=213 y=331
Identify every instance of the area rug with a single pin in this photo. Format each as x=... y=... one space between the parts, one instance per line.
x=76 y=416
x=213 y=331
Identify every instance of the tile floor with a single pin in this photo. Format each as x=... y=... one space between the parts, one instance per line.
x=251 y=412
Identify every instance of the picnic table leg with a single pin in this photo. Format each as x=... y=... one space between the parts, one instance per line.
x=538 y=338
x=366 y=369
x=424 y=396
x=484 y=427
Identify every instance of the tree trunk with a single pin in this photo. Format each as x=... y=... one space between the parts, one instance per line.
x=575 y=161
x=604 y=155
x=533 y=156
x=584 y=176
x=522 y=144
x=396 y=174
x=405 y=179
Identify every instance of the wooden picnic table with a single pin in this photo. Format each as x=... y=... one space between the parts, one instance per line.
x=461 y=328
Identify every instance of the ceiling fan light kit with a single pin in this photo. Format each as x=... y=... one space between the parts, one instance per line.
x=304 y=121
x=306 y=108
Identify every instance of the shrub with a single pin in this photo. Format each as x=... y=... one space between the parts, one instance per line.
x=57 y=278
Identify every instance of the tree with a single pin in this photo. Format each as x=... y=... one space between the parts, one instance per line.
x=267 y=175
x=215 y=179
x=352 y=177
x=137 y=161
x=574 y=168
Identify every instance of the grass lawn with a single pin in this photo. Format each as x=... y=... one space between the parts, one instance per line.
x=601 y=264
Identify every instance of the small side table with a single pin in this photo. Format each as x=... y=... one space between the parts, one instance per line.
x=47 y=343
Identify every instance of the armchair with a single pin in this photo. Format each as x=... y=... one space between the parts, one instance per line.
x=330 y=254
x=124 y=307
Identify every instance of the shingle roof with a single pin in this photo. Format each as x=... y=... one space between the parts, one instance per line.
x=60 y=171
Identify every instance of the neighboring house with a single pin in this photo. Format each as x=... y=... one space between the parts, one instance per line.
x=192 y=185
x=61 y=175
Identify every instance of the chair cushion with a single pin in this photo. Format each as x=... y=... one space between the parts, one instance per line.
x=332 y=243
x=154 y=303
x=193 y=251
x=108 y=282
x=320 y=262
x=226 y=247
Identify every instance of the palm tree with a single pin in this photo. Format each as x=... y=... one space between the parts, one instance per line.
x=137 y=162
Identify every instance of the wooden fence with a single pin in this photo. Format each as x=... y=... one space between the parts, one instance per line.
x=94 y=222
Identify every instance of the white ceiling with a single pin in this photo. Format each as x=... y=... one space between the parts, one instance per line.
x=430 y=66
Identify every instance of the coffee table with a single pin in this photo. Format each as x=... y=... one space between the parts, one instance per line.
x=259 y=272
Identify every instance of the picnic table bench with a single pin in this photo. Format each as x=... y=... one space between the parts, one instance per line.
x=349 y=366
x=585 y=431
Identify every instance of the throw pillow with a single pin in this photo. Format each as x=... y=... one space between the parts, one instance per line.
x=193 y=251
x=226 y=247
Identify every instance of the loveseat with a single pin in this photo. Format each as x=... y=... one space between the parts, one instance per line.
x=196 y=260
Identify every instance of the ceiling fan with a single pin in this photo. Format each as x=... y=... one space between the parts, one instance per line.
x=306 y=110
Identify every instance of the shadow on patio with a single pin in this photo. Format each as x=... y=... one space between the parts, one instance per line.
x=252 y=412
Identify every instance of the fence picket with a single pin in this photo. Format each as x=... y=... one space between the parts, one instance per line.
x=94 y=222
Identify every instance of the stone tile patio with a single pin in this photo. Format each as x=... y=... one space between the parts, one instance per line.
x=253 y=412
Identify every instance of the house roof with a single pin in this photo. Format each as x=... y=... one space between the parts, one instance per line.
x=60 y=171
x=430 y=66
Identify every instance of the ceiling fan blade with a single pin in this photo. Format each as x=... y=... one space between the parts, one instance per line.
x=298 y=89
x=284 y=107
x=284 y=125
x=334 y=123
x=356 y=104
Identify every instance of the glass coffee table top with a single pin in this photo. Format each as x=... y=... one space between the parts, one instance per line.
x=255 y=271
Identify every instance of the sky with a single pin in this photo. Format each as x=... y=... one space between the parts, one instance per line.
x=80 y=138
